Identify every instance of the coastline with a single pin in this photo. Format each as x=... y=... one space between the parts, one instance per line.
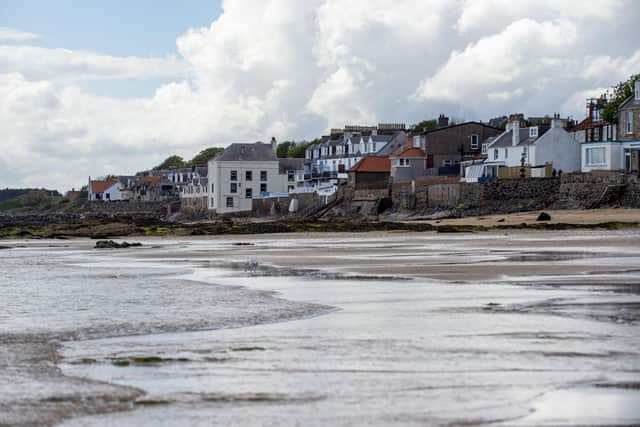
x=50 y=227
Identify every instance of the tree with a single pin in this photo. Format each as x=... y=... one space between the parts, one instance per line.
x=621 y=92
x=171 y=162
x=298 y=150
x=425 y=125
x=204 y=156
x=283 y=148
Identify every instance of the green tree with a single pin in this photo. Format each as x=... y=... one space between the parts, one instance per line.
x=204 y=156
x=621 y=92
x=283 y=148
x=298 y=150
x=425 y=125
x=171 y=162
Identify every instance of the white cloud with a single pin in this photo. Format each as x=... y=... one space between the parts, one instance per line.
x=11 y=34
x=293 y=69
x=499 y=66
x=62 y=64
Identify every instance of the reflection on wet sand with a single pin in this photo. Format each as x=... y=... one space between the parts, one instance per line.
x=375 y=329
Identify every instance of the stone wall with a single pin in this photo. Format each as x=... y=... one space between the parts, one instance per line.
x=279 y=206
x=124 y=207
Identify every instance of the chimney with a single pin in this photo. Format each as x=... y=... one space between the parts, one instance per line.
x=515 y=127
x=274 y=144
x=556 y=122
x=637 y=90
x=443 y=121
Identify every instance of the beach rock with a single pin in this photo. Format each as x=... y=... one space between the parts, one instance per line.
x=544 y=217
x=110 y=244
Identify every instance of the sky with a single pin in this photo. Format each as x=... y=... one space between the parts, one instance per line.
x=96 y=87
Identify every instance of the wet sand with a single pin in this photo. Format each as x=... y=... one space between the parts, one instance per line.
x=401 y=329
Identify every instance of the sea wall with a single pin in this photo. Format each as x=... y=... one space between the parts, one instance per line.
x=569 y=191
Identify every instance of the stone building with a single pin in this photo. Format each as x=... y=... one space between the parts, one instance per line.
x=449 y=145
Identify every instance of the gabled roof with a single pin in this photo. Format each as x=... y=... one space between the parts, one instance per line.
x=256 y=152
x=630 y=102
x=409 y=152
x=102 y=186
x=505 y=139
x=372 y=164
x=458 y=125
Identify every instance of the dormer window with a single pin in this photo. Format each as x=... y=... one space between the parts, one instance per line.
x=533 y=132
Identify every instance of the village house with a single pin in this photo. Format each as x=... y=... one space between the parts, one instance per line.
x=407 y=164
x=449 y=145
x=106 y=190
x=371 y=172
x=538 y=148
x=622 y=153
x=329 y=161
x=194 y=194
x=153 y=188
x=243 y=172
x=293 y=169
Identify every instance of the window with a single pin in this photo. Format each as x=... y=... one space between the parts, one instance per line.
x=474 y=142
x=595 y=156
x=446 y=163
x=484 y=148
x=291 y=176
x=234 y=175
x=248 y=176
x=212 y=187
x=290 y=188
x=248 y=193
x=212 y=204
x=495 y=154
x=263 y=188
x=629 y=122
x=229 y=202
x=233 y=187
x=263 y=175
x=506 y=153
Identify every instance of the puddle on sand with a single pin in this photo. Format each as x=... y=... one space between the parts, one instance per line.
x=585 y=406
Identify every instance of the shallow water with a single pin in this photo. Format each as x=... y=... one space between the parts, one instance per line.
x=531 y=329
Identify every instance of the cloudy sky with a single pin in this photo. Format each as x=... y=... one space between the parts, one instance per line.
x=96 y=87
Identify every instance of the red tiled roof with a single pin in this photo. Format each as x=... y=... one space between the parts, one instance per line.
x=102 y=186
x=411 y=152
x=372 y=164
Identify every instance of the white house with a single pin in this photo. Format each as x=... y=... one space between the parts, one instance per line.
x=241 y=173
x=537 y=145
x=108 y=190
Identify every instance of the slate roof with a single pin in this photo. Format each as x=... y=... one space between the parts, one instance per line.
x=632 y=102
x=505 y=139
x=458 y=125
x=240 y=152
x=202 y=170
x=102 y=186
x=372 y=164
x=288 y=164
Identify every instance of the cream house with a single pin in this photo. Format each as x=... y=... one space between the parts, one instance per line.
x=241 y=173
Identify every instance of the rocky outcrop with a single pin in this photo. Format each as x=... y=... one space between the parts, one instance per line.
x=110 y=244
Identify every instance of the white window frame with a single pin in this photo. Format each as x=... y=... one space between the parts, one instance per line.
x=506 y=153
x=589 y=156
x=446 y=163
x=496 y=154
x=475 y=140
x=629 y=122
x=485 y=148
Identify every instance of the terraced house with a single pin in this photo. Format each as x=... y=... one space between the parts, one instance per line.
x=622 y=154
x=329 y=161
